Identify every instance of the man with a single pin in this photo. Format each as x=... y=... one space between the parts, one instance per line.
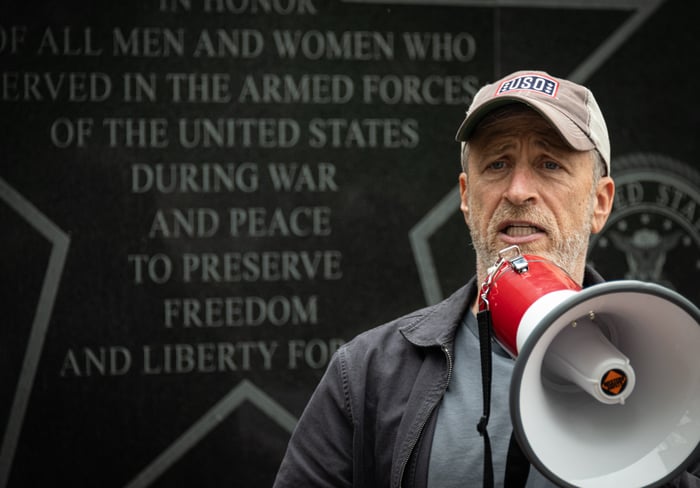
x=399 y=404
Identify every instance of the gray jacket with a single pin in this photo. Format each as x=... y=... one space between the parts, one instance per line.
x=371 y=420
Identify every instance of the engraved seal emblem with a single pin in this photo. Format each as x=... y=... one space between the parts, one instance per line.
x=653 y=233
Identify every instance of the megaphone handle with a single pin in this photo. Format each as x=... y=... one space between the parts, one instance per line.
x=483 y=318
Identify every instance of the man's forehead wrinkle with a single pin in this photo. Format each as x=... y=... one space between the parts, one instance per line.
x=506 y=141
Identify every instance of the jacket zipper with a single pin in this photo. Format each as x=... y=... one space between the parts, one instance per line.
x=446 y=350
x=414 y=441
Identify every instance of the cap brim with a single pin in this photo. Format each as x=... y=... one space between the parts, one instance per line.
x=567 y=129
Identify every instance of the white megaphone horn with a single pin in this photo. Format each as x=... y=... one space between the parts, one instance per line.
x=606 y=384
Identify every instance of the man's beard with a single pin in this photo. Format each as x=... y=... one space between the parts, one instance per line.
x=566 y=251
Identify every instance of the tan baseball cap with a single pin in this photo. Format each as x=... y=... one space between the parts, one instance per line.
x=569 y=107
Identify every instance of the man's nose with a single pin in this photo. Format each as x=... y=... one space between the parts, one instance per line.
x=522 y=186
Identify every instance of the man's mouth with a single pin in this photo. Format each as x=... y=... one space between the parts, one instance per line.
x=519 y=230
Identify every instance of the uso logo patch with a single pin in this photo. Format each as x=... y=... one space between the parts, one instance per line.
x=535 y=83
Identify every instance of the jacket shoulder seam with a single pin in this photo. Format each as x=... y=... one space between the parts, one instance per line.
x=345 y=381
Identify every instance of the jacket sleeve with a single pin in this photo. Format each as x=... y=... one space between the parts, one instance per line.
x=319 y=453
x=686 y=480
x=689 y=479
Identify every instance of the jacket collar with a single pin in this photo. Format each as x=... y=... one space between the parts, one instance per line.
x=437 y=325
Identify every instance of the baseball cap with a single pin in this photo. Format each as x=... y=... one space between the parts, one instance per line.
x=569 y=107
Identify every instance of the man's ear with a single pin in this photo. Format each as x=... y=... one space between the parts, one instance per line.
x=605 y=195
x=463 y=195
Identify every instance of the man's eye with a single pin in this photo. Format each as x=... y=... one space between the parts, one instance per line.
x=497 y=165
x=551 y=165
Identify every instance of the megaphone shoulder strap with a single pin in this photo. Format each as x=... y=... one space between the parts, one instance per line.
x=517 y=465
x=483 y=319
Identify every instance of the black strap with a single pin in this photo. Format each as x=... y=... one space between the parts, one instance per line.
x=517 y=466
x=483 y=318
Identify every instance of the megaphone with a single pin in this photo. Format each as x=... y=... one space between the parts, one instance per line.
x=605 y=389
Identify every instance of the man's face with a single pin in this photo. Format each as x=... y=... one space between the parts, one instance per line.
x=524 y=186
